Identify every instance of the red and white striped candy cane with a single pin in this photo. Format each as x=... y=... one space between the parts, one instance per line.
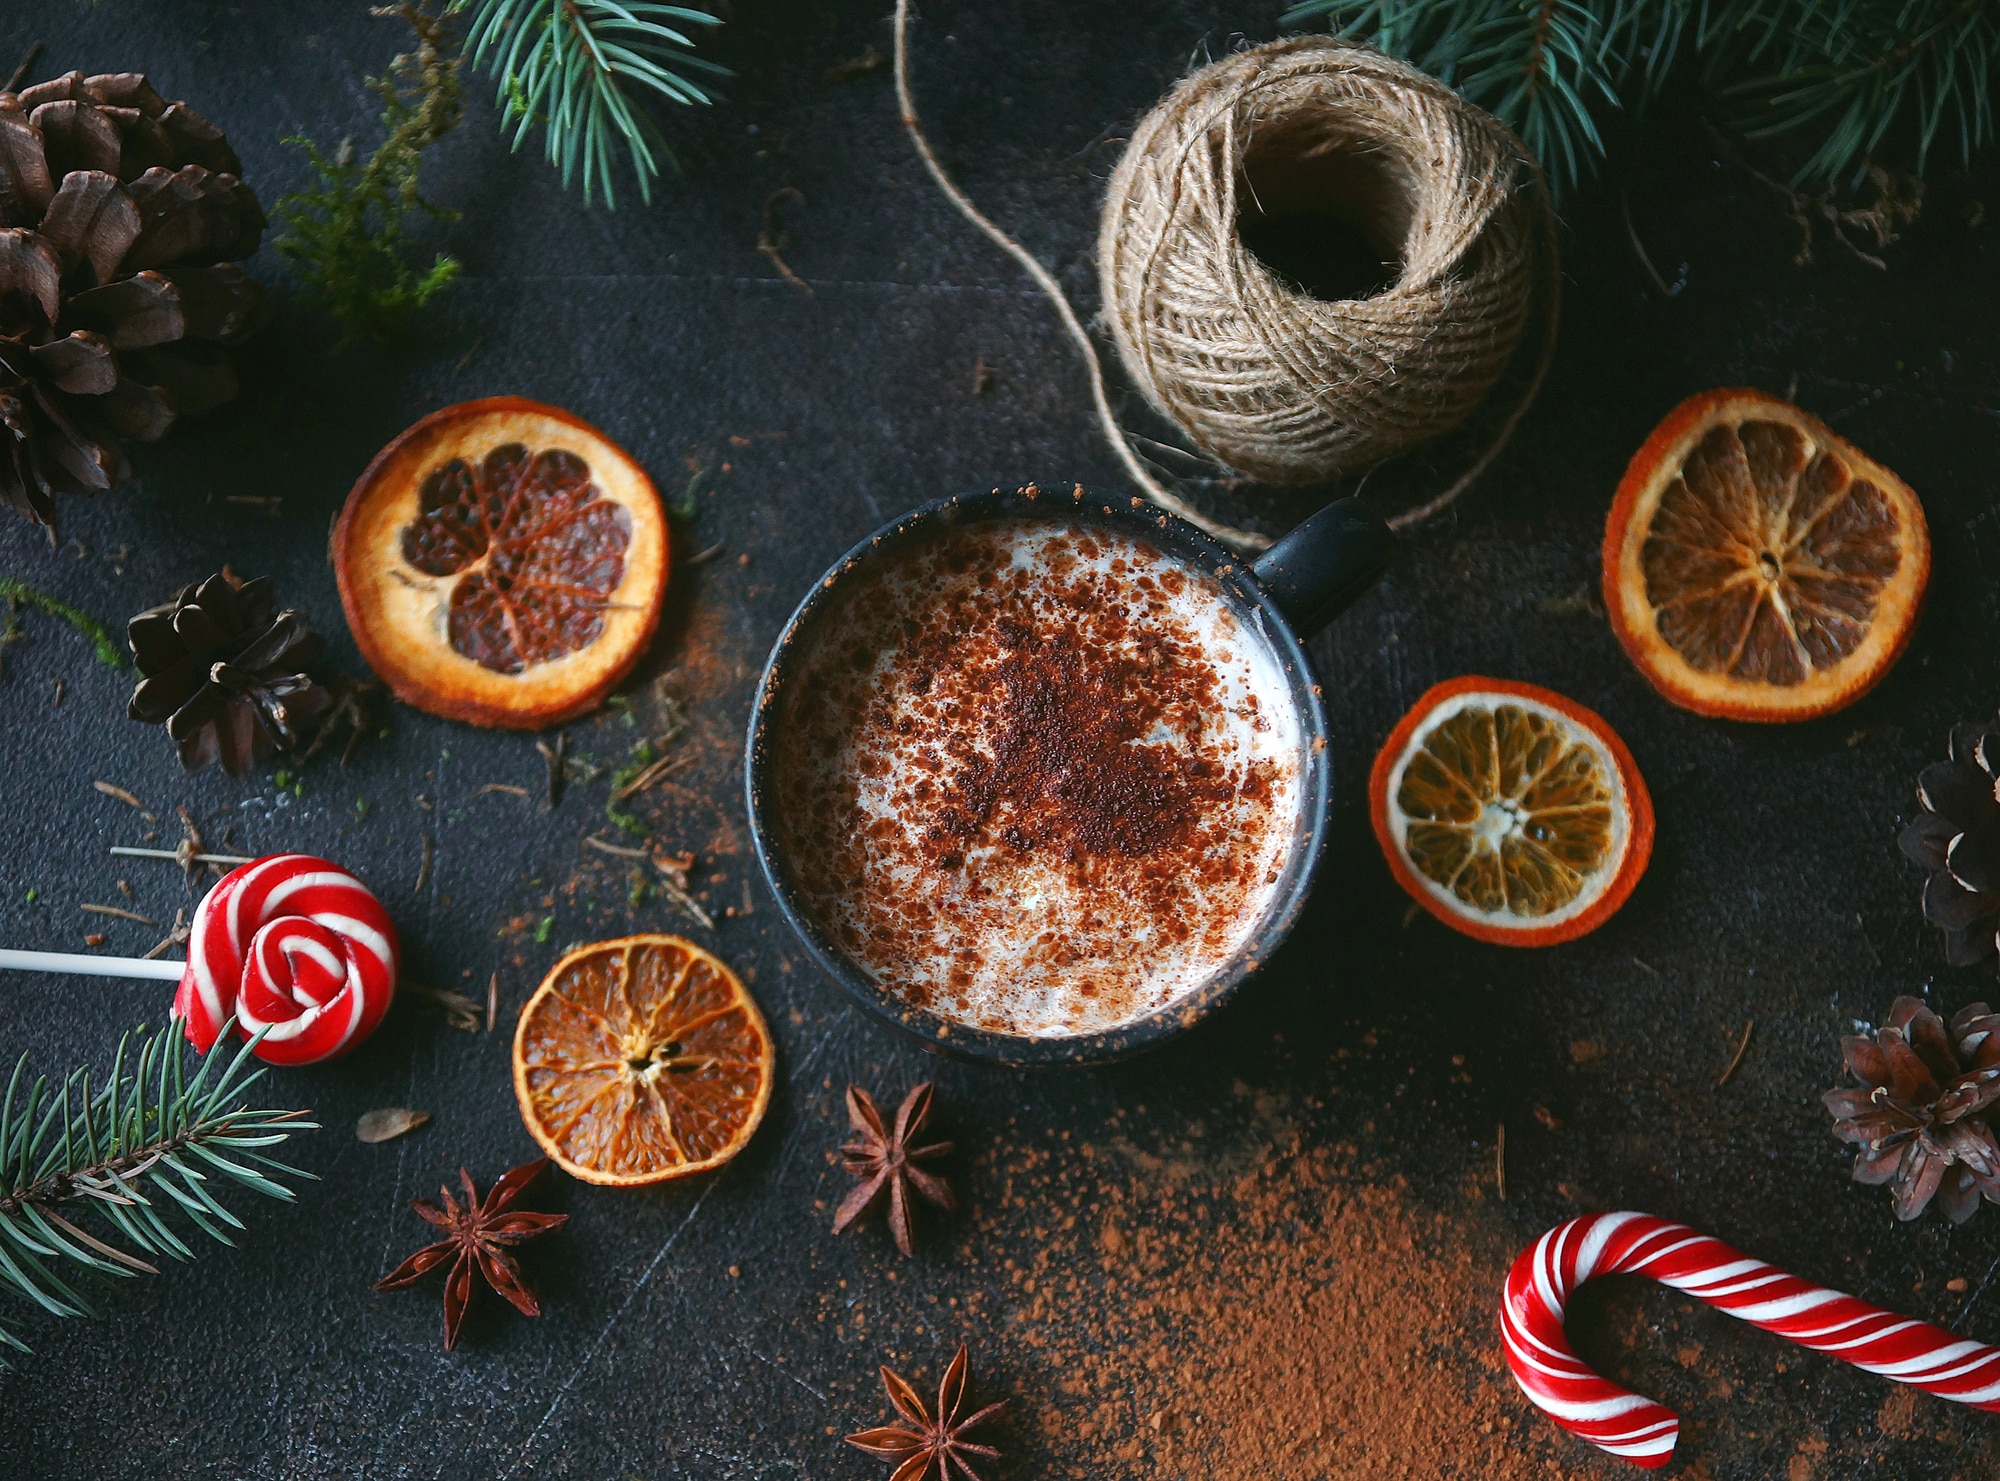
x=1623 y=1423
x=293 y=945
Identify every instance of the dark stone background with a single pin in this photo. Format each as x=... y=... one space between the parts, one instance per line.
x=1776 y=892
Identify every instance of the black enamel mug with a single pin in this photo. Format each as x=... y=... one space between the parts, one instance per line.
x=1292 y=591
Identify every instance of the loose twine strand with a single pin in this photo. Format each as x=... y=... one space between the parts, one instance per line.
x=1236 y=539
x=1263 y=377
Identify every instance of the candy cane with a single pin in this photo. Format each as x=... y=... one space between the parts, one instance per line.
x=1623 y=1423
x=289 y=945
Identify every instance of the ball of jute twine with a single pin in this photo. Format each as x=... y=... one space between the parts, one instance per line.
x=1500 y=188
x=1261 y=375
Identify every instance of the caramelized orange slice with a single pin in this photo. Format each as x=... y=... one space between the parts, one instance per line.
x=1758 y=567
x=640 y=1060
x=1511 y=813
x=502 y=562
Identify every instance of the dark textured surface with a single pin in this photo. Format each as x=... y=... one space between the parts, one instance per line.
x=1776 y=892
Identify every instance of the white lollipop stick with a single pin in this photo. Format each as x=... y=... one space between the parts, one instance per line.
x=291 y=950
x=90 y=966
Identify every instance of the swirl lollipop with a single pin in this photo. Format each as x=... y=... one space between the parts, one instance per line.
x=295 y=947
x=292 y=946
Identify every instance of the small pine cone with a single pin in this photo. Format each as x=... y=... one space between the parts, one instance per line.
x=121 y=217
x=1957 y=837
x=1922 y=1122
x=223 y=671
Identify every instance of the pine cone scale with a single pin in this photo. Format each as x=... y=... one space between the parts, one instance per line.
x=1949 y=904
x=94 y=220
x=1864 y=1059
x=1918 y=1178
x=31 y=267
x=1974 y=860
x=1877 y=1165
x=1927 y=838
x=1911 y=1085
x=17 y=488
x=76 y=136
x=1976 y=1037
x=1972 y=1144
x=78 y=364
x=159 y=698
x=279 y=645
x=1924 y=1034
x=25 y=186
x=1960 y=789
x=84 y=466
x=1973 y=1094
x=1958 y=1197
x=133 y=313
x=192 y=215
x=131 y=409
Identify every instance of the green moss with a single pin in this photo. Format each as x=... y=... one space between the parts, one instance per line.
x=20 y=594
x=344 y=232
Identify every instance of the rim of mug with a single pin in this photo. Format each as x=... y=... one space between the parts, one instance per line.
x=949 y=1036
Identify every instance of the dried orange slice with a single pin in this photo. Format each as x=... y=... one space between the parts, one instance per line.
x=640 y=1060
x=1511 y=813
x=1758 y=567
x=502 y=562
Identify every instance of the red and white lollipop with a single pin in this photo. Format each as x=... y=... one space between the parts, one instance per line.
x=292 y=946
x=295 y=947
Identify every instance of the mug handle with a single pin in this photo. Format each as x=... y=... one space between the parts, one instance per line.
x=1317 y=571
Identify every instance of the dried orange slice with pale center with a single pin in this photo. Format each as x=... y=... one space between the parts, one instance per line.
x=1758 y=567
x=502 y=562
x=1511 y=813
x=640 y=1060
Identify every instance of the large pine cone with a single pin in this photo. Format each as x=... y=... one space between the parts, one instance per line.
x=1957 y=837
x=222 y=669
x=1921 y=1122
x=120 y=216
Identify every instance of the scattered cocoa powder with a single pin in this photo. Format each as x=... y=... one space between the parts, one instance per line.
x=1902 y=1412
x=1304 y=1319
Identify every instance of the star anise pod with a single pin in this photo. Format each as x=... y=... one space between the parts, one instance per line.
x=930 y=1440
x=475 y=1238
x=1921 y=1122
x=882 y=1157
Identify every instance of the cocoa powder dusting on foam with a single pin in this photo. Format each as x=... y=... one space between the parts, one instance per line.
x=1067 y=770
x=1037 y=778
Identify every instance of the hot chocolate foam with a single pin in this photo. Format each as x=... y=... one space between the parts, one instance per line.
x=1037 y=777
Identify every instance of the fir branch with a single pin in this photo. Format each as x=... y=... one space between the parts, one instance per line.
x=577 y=68
x=1871 y=72
x=1543 y=67
x=345 y=233
x=148 y=1141
x=1874 y=68
x=20 y=594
